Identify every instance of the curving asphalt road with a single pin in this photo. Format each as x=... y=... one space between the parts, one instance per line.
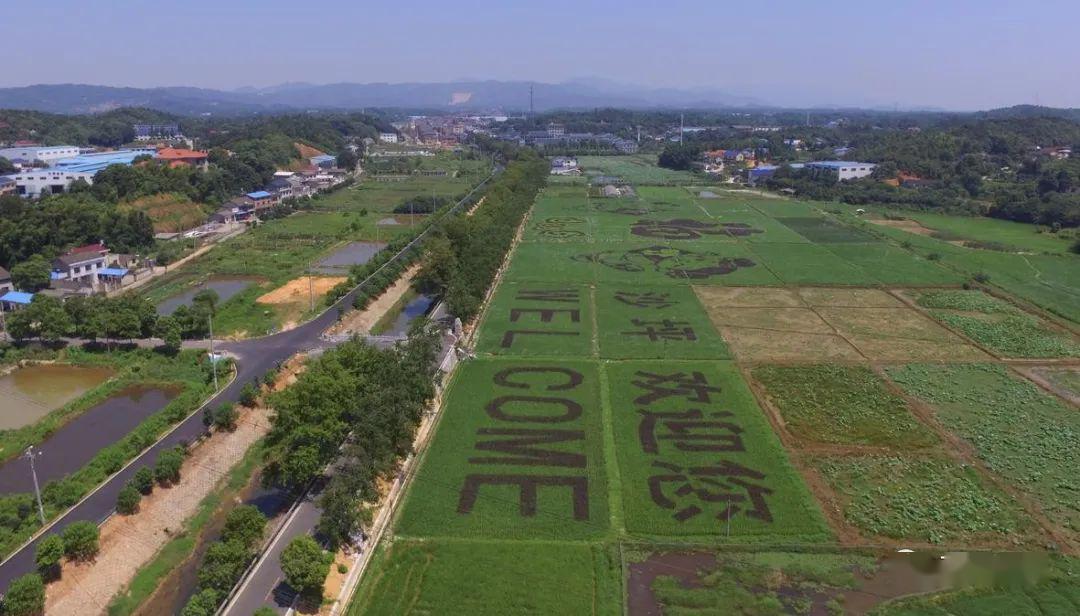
x=254 y=358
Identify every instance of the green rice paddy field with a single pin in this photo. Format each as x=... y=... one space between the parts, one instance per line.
x=720 y=373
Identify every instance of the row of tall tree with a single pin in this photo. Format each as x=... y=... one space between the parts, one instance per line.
x=462 y=258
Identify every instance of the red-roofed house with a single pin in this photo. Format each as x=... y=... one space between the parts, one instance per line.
x=178 y=157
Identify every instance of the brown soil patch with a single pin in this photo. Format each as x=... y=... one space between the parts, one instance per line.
x=888 y=334
x=294 y=298
x=769 y=345
x=911 y=226
x=361 y=321
x=297 y=290
x=306 y=151
x=748 y=297
x=901 y=349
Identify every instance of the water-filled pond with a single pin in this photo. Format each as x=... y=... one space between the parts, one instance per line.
x=28 y=394
x=894 y=575
x=225 y=288
x=353 y=253
x=72 y=446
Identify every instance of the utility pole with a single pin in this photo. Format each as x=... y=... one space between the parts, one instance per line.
x=213 y=358
x=311 y=292
x=532 y=110
x=682 y=127
x=30 y=455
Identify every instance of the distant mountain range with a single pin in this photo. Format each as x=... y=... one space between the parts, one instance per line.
x=464 y=95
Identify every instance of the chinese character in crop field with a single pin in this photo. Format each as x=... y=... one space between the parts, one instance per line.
x=692 y=386
x=690 y=430
x=665 y=329
x=689 y=229
x=723 y=490
x=648 y=299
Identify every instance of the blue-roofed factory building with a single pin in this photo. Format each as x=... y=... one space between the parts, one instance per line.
x=96 y=161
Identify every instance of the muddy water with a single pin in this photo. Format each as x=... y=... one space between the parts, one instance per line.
x=353 y=253
x=225 y=288
x=180 y=584
x=418 y=307
x=73 y=445
x=28 y=394
x=916 y=573
x=897 y=575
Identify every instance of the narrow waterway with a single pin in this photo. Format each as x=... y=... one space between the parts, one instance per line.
x=416 y=308
x=78 y=441
x=28 y=394
x=180 y=584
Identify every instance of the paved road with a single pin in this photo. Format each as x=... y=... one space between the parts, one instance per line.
x=254 y=358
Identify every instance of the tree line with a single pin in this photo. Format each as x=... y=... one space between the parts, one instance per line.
x=126 y=317
x=53 y=224
x=464 y=255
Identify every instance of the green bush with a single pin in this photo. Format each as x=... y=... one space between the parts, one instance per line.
x=167 y=467
x=25 y=596
x=246 y=525
x=248 y=395
x=143 y=480
x=205 y=603
x=81 y=540
x=304 y=566
x=47 y=556
x=127 y=501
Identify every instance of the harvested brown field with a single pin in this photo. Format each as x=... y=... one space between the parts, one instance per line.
x=169 y=213
x=748 y=297
x=855 y=298
x=763 y=345
x=819 y=324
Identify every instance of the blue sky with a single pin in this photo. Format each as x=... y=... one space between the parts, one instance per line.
x=955 y=54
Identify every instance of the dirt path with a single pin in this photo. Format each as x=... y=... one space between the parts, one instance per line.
x=164 y=269
x=129 y=542
x=361 y=321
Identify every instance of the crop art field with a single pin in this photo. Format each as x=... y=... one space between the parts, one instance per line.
x=688 y=376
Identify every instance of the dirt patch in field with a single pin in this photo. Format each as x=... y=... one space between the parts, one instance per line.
x=298 y=289
x=911 y=226
x=361 y=321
